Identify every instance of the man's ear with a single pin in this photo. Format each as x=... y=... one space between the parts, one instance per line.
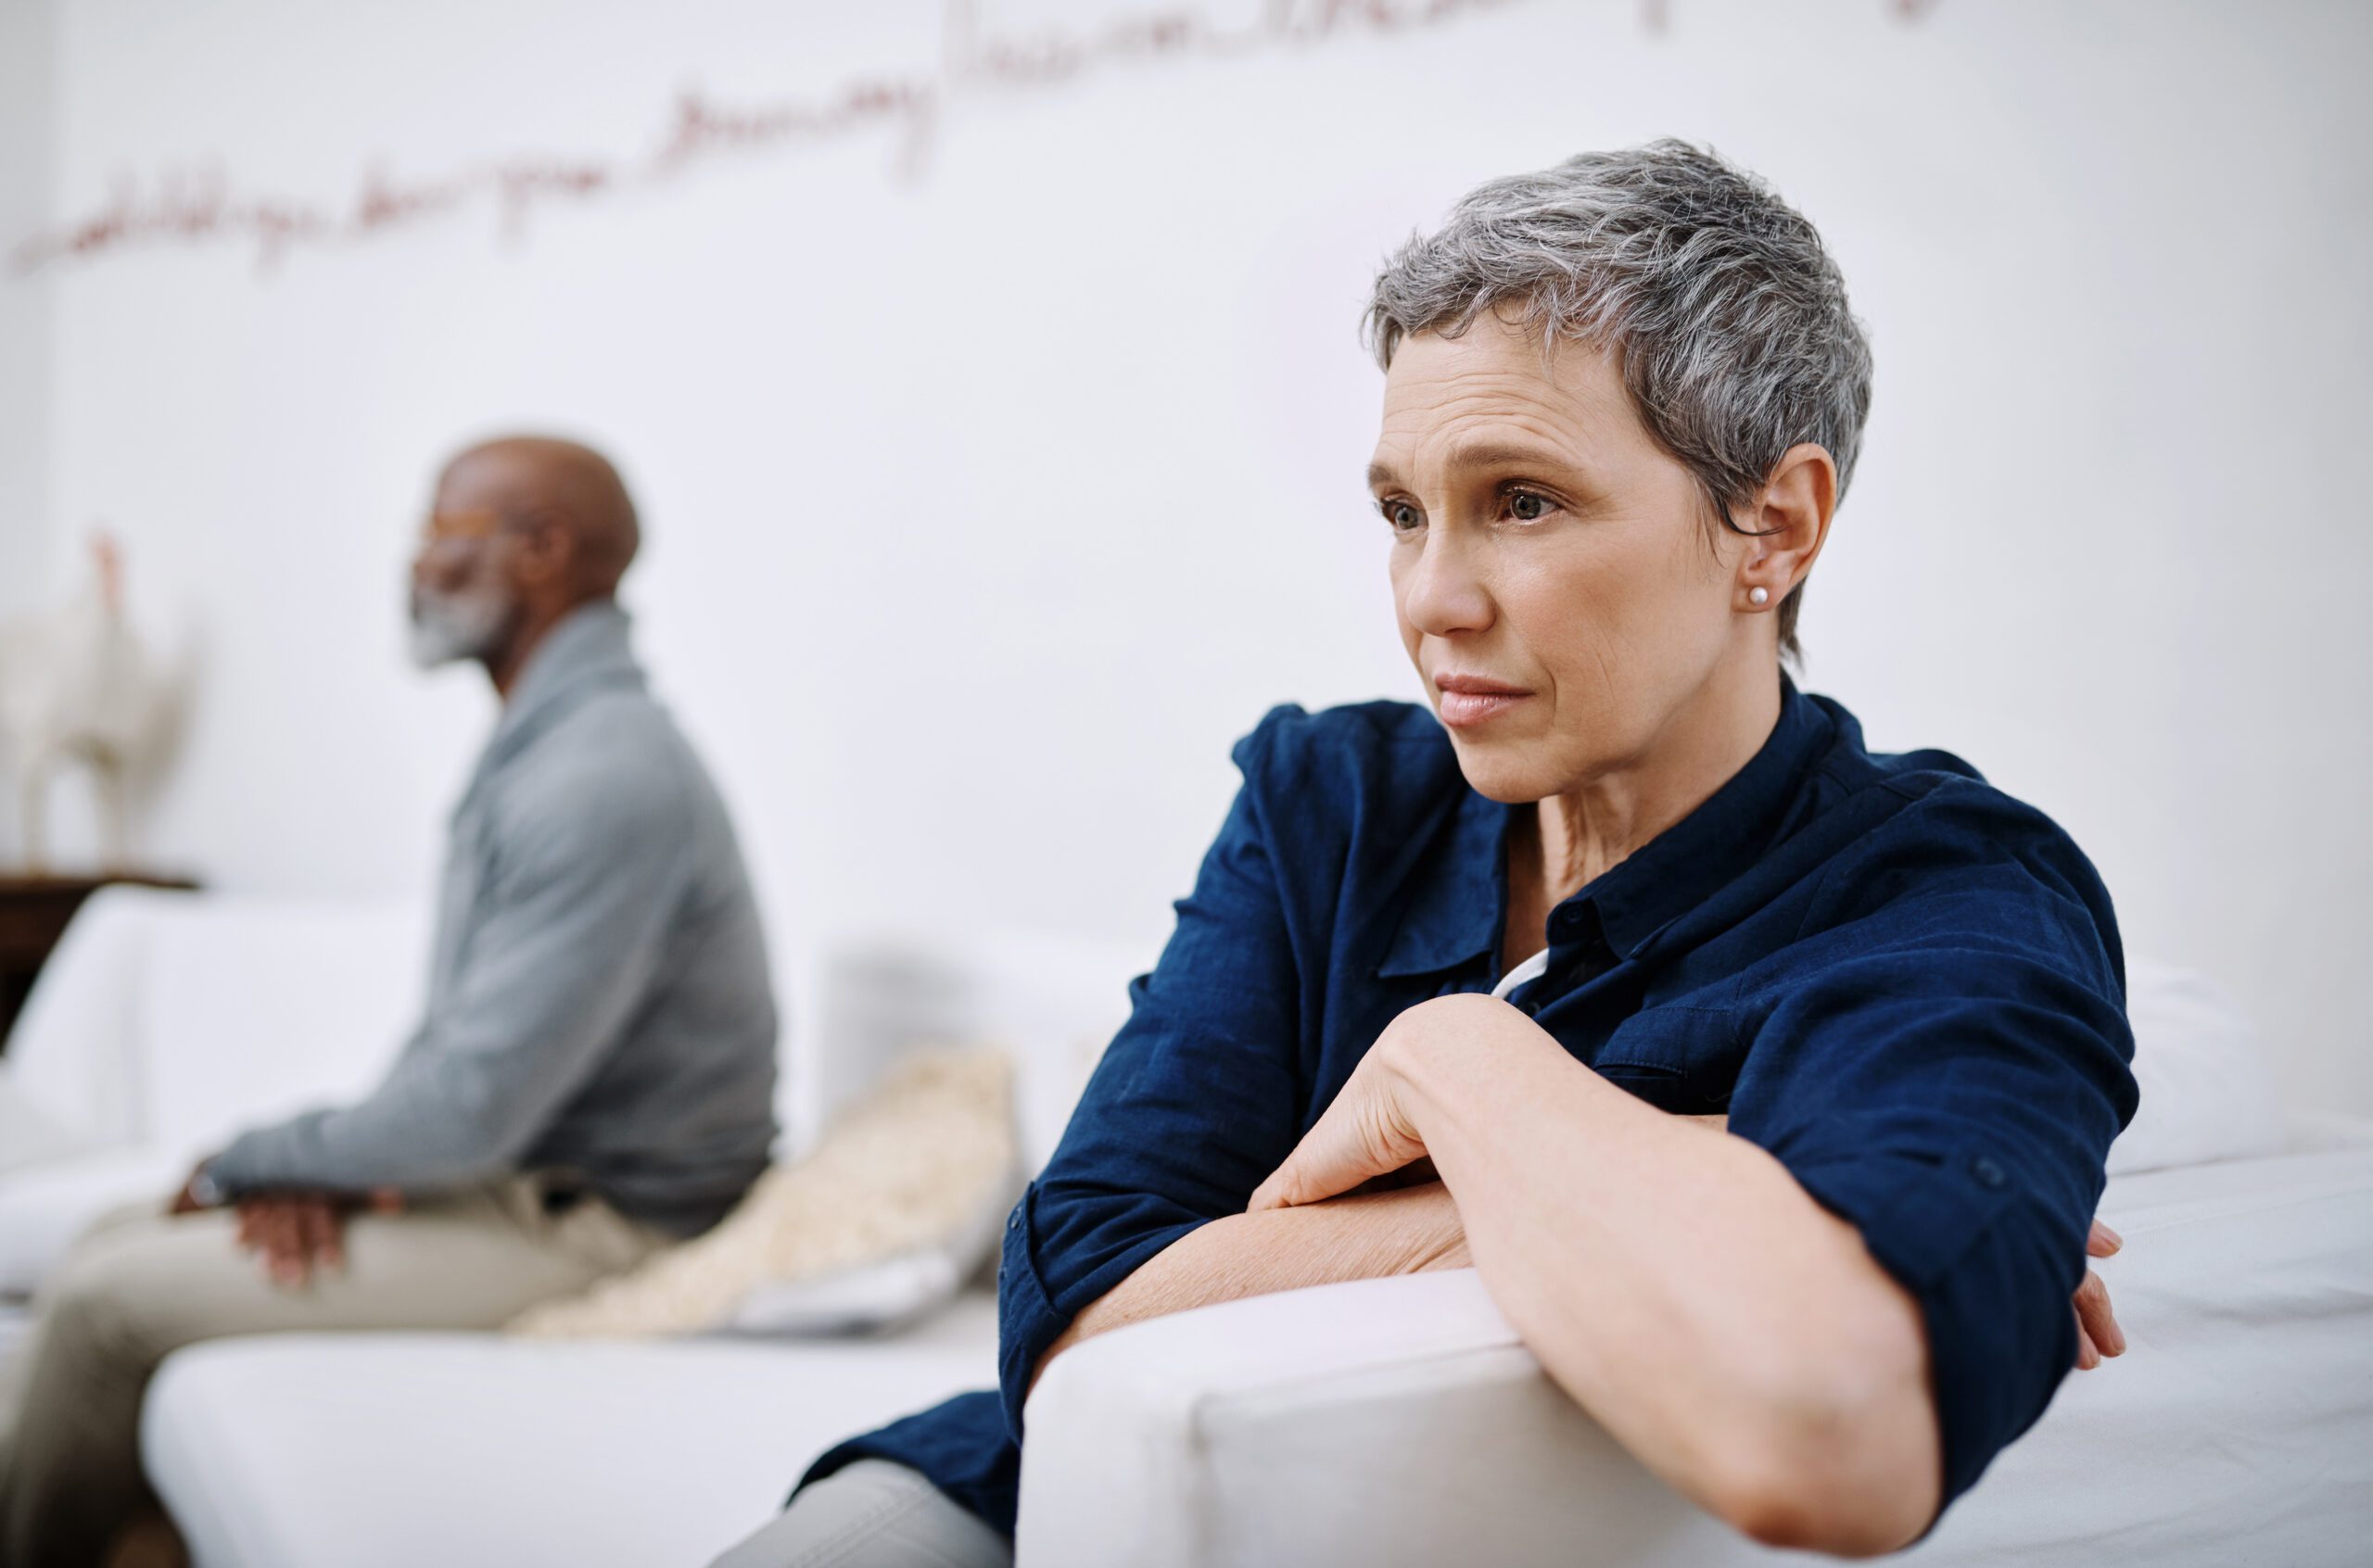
x=1790 y=518
x=547 y=552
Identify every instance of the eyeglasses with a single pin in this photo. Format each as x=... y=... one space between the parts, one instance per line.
x=469 y=527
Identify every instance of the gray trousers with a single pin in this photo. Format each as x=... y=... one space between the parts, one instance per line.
x=140 y=1286
x=872 y=1514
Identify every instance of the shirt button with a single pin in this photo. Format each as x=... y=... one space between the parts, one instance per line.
x=1988 y=1174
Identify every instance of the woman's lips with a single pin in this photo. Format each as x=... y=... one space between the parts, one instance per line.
x=1467 y=701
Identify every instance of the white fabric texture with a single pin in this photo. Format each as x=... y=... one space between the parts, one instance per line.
x=252 y=1010
x=1391 y=1421
x=72 y=1057
x=42 y=1208
x=31 y=1135
x=2207 y=1084
x=165 y=1022
x=1381 y=1422
x=337 y=1451
x=1054 y=1002
x=863 y=1299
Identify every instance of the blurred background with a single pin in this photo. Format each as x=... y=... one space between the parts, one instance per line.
x=988 y=375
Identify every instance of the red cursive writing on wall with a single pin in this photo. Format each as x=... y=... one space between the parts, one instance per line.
x=205 y=205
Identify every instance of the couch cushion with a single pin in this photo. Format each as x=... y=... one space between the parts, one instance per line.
x=391 y=1451
x=2206 y=1082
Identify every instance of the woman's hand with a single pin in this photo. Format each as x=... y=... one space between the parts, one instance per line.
x=2097 y=1331
x=1371 y=1129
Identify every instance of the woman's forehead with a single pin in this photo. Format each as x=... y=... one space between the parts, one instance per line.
x=1491 y=395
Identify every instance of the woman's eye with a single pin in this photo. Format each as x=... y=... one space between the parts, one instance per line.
x=1526 y=507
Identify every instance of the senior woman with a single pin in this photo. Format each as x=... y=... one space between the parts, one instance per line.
x=1472 y=984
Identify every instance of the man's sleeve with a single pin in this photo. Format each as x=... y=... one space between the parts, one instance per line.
x=1948 y=1078
x=1195 y=1103
x=565 y=944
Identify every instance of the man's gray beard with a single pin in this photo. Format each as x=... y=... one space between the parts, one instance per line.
x=446 y=628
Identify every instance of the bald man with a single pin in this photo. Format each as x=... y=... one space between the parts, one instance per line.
x=592 y=1078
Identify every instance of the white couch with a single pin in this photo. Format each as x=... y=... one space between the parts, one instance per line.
x=165 y=1022
x=1380 y=1423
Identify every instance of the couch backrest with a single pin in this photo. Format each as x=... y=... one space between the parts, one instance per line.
x=1053 y=1000
x=175 y=1019
x=2207 y=1084
x=261 y=1007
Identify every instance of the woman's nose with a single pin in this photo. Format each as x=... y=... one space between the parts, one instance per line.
x=1441 y=593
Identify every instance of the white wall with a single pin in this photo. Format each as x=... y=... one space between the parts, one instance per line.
x=998 y=478
x=28 y=153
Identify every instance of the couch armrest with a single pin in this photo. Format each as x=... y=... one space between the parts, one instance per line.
x=1377 y=1421
x=73 y=1059
x=1389 y=1422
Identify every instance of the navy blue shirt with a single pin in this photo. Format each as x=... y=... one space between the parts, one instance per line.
x=1904 y=984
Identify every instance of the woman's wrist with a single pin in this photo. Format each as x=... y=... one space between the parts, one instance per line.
x=1438 y=1052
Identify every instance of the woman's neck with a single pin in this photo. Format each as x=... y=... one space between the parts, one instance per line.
x=1571 y=839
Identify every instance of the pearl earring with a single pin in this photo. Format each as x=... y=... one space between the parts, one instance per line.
x=1758 y=595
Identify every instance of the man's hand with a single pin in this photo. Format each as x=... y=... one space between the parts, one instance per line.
x=297 y=1232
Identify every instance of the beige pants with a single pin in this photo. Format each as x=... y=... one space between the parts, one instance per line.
x=140 y=1286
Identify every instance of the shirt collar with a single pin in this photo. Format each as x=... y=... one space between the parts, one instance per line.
x=1689 y=861
x=1458 y=911
x=1459 y=906
x=588 y=648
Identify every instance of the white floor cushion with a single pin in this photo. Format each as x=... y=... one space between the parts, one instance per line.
x=394 y=1452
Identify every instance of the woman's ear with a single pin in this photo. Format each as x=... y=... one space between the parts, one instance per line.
x=1790 y=521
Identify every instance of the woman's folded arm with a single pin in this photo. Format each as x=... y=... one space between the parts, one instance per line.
x=1368 y=1236
x=1733 y=1335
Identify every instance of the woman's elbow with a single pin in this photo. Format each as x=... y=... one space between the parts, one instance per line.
x=1857 y=1478
x=1832 y=1444
x=1810 y=1515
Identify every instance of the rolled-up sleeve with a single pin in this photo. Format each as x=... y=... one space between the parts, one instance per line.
x=1195 y=1102
x=568 y=936
x=1944 y=1068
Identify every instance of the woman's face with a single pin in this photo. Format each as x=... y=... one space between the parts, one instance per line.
x=1552 y=567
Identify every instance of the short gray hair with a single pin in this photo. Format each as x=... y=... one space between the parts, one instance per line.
x=1725 y=310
